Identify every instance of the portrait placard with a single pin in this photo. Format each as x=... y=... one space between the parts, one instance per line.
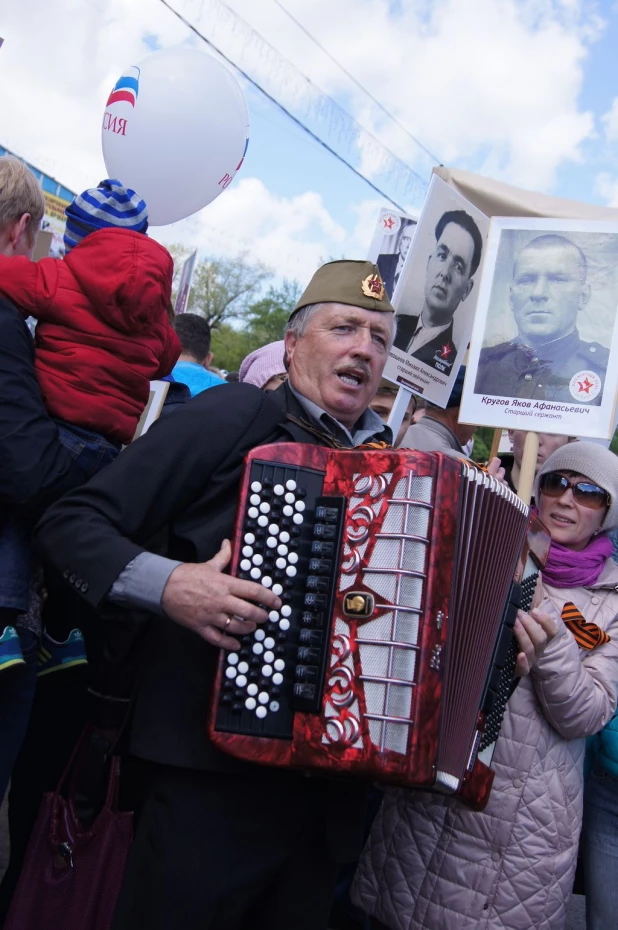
x=544 y=348
x=436 y=293
x=390 y=245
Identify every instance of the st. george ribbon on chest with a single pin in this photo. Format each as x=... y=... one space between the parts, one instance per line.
x=392 y=657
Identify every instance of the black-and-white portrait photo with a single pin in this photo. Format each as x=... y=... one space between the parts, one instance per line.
x=546 y=320
x=390 y=246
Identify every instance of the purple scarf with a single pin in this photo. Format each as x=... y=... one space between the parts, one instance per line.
x=567 y=568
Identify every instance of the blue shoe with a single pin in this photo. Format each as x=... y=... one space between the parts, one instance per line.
x=10 y=649
x=54 y=657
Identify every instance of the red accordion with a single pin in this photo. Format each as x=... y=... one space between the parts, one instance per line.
x=392 y=656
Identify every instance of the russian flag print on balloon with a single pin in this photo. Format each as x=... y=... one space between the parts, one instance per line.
x=126 y=87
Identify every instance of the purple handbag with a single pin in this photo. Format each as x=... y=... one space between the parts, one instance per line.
x=72 y=876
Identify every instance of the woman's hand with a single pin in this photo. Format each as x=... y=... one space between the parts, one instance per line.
x=533 y=632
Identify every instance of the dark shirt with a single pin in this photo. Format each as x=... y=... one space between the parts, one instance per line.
x=35 y=468
x=440 y=353
x=513 y=369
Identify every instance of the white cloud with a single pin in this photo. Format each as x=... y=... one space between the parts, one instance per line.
x=606 y=185
x=610 y=122
x=290 y=234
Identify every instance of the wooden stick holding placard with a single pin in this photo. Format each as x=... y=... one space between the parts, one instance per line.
x=398 y=410
x=527 y=469
x=495 y=444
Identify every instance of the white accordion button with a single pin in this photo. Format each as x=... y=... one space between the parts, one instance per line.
x=257 y=559
x=255 y=499
x=290 y=485
x=274 y=707
x=297 y=518
x=247 y=551
x=287 y=511
x=253 y=513
x=269 y=656
x=284 y=536
x=267 y=581
x=278 y=490
x=257 y=649
x=279 y=665
x=281 y=550
x=252 y=690
x=281 y=563
x=243 y=667
x=230 y=672
x=293 y=558
x=277 y=678
x=241 y=681
x=250 y=703
x=267 y=671
x=264 y=507
x=249 y=538
x=273 y=616
x=284 y=625
x=245 y=565
x=300 y=506
x=290 y=571
x=286 y=611
x=255 y=573
x=263 y=520
x=273 y=529
x=277 y=589
x=289 y=498
x=263 y=697
x=271 y=542
x=259 y=635
x=256 y=486
x=232 y=658
x=269 y=643
x=261 y=712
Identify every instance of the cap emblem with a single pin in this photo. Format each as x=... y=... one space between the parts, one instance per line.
x=373 y=286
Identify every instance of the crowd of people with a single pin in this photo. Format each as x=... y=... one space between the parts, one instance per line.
x=115 y=601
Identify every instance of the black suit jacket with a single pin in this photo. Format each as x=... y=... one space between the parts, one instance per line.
x=387 y=266
x=178 y=483
x=440 y=353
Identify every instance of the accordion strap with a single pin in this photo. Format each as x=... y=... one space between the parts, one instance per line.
x=325 y=437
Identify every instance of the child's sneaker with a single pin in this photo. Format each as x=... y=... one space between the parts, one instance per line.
x=54 y=657
x=10 y=649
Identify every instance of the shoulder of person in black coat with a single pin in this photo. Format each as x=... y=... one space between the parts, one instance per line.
x=35 y=468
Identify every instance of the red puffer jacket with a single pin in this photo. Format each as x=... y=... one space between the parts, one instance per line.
x=103 y=332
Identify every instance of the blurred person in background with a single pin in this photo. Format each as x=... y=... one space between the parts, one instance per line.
x=265 y=367
x=192 y=367
x=439 y=430
x=382 y=404
x=511 y=461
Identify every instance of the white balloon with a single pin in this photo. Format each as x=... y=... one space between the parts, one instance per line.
x=175 y=130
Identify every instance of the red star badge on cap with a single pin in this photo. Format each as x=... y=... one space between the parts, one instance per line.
x=389 y=222
x=584 y=386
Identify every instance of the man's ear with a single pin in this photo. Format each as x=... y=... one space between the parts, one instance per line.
x=208 y=360
x=21 y=230
x=584 y=296
x=290 y=340
x=469 y=287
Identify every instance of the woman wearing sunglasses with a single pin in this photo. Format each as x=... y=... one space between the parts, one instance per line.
x=432 y=864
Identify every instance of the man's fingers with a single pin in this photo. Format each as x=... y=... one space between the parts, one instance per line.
x=250 y=591
x=216 y=638
x=235 y=607
x=221 y=560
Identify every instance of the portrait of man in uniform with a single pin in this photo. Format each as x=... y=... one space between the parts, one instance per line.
x=427 y=334
x=391 y=264
x=547 y=359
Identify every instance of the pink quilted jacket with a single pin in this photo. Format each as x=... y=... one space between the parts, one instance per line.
x=431 y=864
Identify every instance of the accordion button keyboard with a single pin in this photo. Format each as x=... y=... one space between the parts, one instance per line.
x=305 y=692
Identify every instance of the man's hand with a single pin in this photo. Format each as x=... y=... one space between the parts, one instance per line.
x=201 y=598
x=533 y=631
x=495 y=469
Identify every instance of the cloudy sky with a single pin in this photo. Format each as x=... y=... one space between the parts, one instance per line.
x=521 y=90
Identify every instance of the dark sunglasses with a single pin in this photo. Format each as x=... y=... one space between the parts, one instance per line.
x=585 y=493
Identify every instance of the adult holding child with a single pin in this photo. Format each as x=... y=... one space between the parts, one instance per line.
x=430 y=863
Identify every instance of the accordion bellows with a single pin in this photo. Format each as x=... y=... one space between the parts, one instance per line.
x=400 y=574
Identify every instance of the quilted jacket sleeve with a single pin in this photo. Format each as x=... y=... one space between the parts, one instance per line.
x=30 y=285
x=577 y=692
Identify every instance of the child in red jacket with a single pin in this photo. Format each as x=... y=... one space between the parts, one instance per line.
x=103 y=334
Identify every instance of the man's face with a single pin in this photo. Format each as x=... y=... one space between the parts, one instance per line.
x=547 y=292
x=382 y=404
x=448 y=280
x=338 y=363
x=548 y=443
x=406 y=239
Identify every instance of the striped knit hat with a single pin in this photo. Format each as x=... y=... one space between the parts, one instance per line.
x=109 y=204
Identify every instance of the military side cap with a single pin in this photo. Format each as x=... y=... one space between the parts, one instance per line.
x=356 y=283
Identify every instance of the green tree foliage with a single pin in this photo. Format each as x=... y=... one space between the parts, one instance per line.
x=266 y=318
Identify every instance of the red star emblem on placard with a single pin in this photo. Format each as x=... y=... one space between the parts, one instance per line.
x=445 y=351
x=584 y=386
x=389 y=222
